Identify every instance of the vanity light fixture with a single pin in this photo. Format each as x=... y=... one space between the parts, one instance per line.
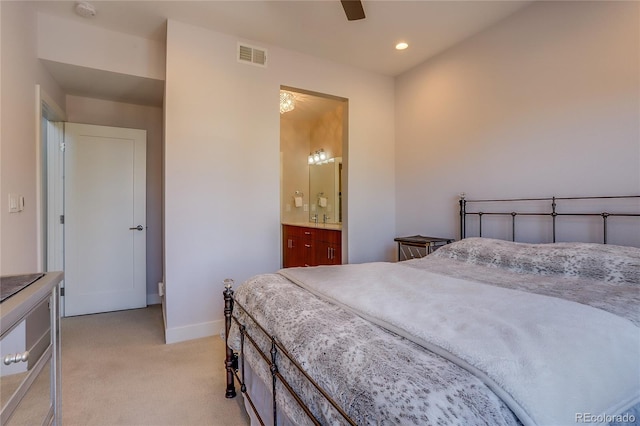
x=317 y=157
x=287 y=101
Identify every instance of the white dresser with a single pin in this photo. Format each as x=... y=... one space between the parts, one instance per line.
x=32 y=396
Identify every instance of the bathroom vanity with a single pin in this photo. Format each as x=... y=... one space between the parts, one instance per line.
x=33 y=395
x=311 y=245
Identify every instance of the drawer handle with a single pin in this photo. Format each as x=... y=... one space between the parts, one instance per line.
x=331 y=253
x=15 y=358
x=307 y=233
x=307 y=245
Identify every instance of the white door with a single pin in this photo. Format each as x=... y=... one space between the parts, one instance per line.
x=105 y=211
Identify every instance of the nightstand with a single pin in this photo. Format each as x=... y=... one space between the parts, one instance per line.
x=417 y=246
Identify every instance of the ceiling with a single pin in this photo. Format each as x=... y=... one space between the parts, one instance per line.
x=315 y=27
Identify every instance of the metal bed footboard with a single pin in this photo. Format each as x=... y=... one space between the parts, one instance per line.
x=234 y=362
x=554 y=212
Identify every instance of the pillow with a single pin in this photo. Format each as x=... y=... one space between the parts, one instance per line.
x=602 y=262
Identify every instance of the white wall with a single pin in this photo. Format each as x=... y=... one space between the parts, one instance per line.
x=222 y=124
x=85 y=45
x=21 y=71
x=62 y=41
x=117 y=114
x=544 y=103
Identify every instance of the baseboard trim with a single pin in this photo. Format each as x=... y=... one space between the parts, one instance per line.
x=153 y=299
x=195 y=331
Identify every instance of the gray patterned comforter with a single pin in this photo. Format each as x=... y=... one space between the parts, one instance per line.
x=378 y=377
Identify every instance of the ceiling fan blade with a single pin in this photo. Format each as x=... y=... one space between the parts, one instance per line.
x=353 y=9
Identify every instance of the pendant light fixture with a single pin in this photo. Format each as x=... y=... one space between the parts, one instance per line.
x=287 y=101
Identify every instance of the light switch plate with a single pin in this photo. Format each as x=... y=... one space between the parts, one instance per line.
x=14 y=203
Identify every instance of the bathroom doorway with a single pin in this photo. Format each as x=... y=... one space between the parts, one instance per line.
x=314 y=146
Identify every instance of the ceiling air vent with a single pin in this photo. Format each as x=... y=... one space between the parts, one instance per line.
x=252 y=55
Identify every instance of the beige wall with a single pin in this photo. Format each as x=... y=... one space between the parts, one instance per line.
x=298 y=138
x=116 y=114
x=21 y=72
x=295 y=140
x=544 y=103
x=327 y=132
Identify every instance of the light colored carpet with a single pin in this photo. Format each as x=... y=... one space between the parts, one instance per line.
x=117 y=370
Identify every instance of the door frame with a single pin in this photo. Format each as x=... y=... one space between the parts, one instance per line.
x=46 y=177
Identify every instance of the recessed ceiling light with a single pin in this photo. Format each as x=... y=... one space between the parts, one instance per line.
x=401 y=46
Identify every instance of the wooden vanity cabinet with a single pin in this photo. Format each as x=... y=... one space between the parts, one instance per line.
x=308 y=246
x=293 y=250
x=328 y=248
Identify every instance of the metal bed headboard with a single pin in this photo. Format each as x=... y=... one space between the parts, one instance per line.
x=553 y=212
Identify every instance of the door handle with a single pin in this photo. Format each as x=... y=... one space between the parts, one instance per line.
x=137 y=228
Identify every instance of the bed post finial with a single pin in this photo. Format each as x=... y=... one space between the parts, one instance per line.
x=229 y=359
x=463 y=215
x=228 y=283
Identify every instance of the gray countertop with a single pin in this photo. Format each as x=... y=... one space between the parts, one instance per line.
x=15 y=308
x=334 y=226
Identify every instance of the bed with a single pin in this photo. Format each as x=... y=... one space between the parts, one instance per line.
x=481 y=332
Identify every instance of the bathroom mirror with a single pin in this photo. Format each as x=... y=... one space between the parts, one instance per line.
x=325 y=191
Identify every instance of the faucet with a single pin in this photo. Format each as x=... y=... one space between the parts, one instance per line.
x=314 y=218
x=324 y=218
